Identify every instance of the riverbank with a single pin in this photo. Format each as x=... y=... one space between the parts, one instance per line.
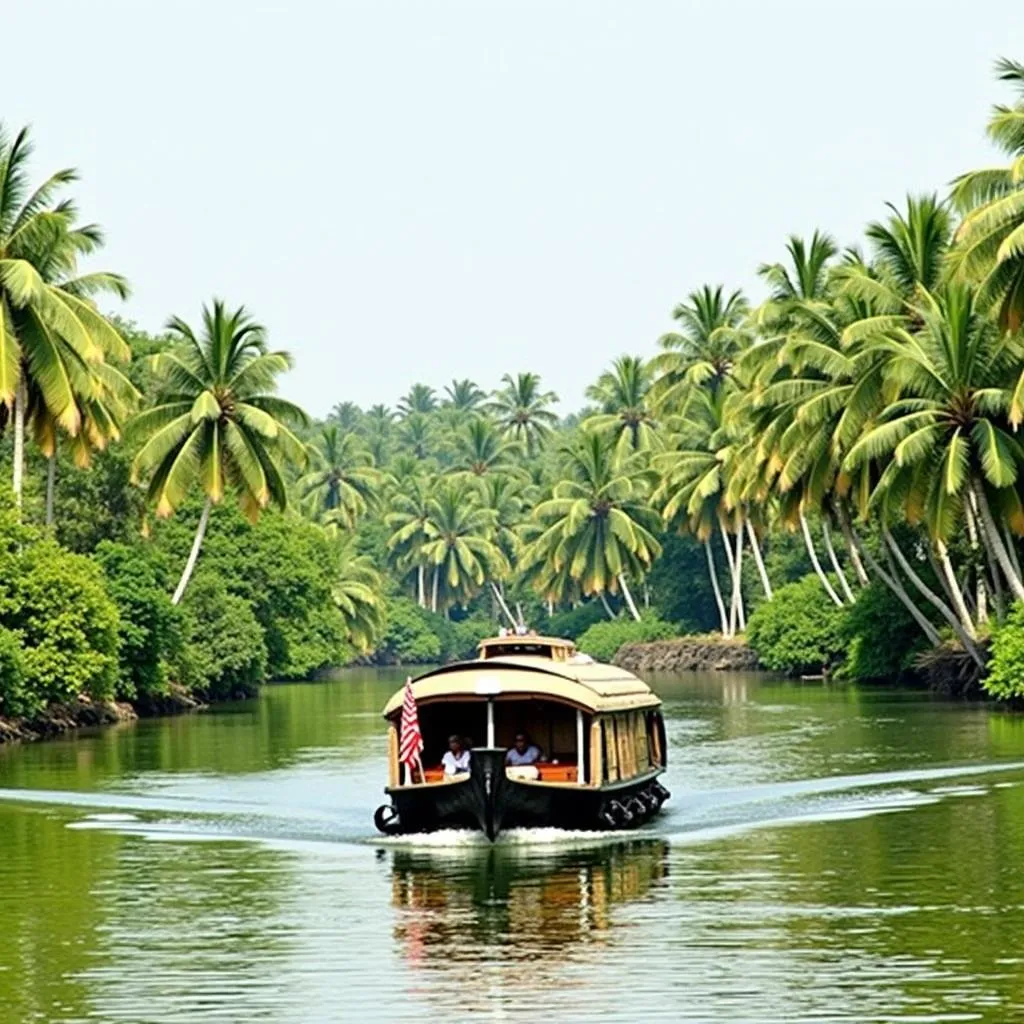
x=83 y=713
x=704 y=653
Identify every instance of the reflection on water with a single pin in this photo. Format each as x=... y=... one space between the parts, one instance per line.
x=829 y=855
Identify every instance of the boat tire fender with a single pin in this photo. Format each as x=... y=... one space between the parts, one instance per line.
x=386 y=820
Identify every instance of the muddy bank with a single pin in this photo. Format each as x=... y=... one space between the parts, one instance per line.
x=687 y=654
x=59 y=719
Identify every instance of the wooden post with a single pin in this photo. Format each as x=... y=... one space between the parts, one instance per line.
x=595 y=752
x=580 y=752
x=393 y=775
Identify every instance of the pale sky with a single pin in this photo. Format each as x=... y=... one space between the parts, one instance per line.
x=408 y=191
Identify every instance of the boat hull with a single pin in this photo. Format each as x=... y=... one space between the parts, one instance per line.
x=489 y=801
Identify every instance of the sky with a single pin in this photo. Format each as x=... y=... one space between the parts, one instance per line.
x=429 y=189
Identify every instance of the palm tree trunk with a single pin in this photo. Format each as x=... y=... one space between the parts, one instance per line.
x=892 y=581
x=1011 y=547
x=926 y=591
x=51 y=481
x=737 y=619
x=713 y=573
x=834 y=559
x=421 y=590
x=844 y=525
x=972 y=532
x=551 y=607
x=728 y=550
x=829 y=589
x=501 y=602
x=20 y=400
x=607 y=606
x=990 y=533
x=755 y=549
x=953 y=589
x=630 y=603
x=433 y=590
x=194 y=553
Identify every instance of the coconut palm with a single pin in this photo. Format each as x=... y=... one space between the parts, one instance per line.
x=460 y=548
x=346 y=415
x=597 y=527
x=343 y=480
x=378 y=427
x=51 y=335
x=416 y=435
x=218 y=423
x=990 y=238
x=357 y=594
x=482 y=450
x=419 y=399
x=407 y=521
x=523 y=410
x=622 y=394
x=464 y=395
x=711 y=337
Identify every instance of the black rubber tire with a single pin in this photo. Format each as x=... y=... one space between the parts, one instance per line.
x=386 y=820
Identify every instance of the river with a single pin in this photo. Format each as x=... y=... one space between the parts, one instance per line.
x=829 y=854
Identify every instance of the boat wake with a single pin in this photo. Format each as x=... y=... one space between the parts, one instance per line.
x=692 y=816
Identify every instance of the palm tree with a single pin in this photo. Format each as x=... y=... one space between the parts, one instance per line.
x=597 y=527
x=464 y=395
x=218 y=422
x=343 y=479
x=407 y=520
x=990 y=239
x=711 y=337
x=346 y=415
x=378 y=428
x=460 y=544
x=522 y=409
x=416 y=435
x=622 y=394
x=357 y=594
x=482 y=450
x=419 y=399
x=51 y=335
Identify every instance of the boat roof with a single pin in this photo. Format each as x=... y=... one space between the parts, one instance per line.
x=591 y=685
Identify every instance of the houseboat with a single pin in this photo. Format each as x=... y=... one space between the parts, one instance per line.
x=598 y=730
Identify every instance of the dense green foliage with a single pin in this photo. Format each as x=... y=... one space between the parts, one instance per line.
x=881 y=641
x=603 y=639
x=796 y=631
x=1006 y=670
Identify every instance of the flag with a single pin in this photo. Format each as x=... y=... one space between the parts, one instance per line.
x=410 y=741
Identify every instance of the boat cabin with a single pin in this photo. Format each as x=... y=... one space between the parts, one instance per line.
x=596 y=724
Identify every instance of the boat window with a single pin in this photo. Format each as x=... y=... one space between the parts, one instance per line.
x=519 y=647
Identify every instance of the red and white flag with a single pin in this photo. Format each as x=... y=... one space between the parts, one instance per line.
x=410 y=739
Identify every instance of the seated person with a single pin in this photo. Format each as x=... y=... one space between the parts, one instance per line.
x=456 y=757
x=522 y=751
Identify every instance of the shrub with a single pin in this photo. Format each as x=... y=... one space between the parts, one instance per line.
x=1006 y=669
x=881 y=639
x=799 y=630
x=13 y=699
x=459 y=639
x=603 y=639
x=573 y=623
x=150 y=626
x=408 y=637
x=224 y=654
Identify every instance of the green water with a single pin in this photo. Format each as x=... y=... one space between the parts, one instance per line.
x=828 y=855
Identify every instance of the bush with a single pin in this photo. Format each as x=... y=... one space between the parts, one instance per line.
x=224 y=654
x=13 y=699
x=460 y=639
x=881 y=639
x=573 y=623
x=1006 y=668
x=150 y=626
x=603 y=639
x=799 y=630
x=408 y=637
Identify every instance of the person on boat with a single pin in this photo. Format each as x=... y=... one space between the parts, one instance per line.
x=456 y=757
x=522 y=752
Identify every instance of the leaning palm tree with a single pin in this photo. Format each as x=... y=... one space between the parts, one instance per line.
x=51 y=335
x=597 y=527
x=622 y=394
x=523 y=410
x=343 y=480
x=218 y=423
x=460 y=546
x=990 y=240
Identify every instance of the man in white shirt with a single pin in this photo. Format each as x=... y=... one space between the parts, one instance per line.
x=456 y=757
